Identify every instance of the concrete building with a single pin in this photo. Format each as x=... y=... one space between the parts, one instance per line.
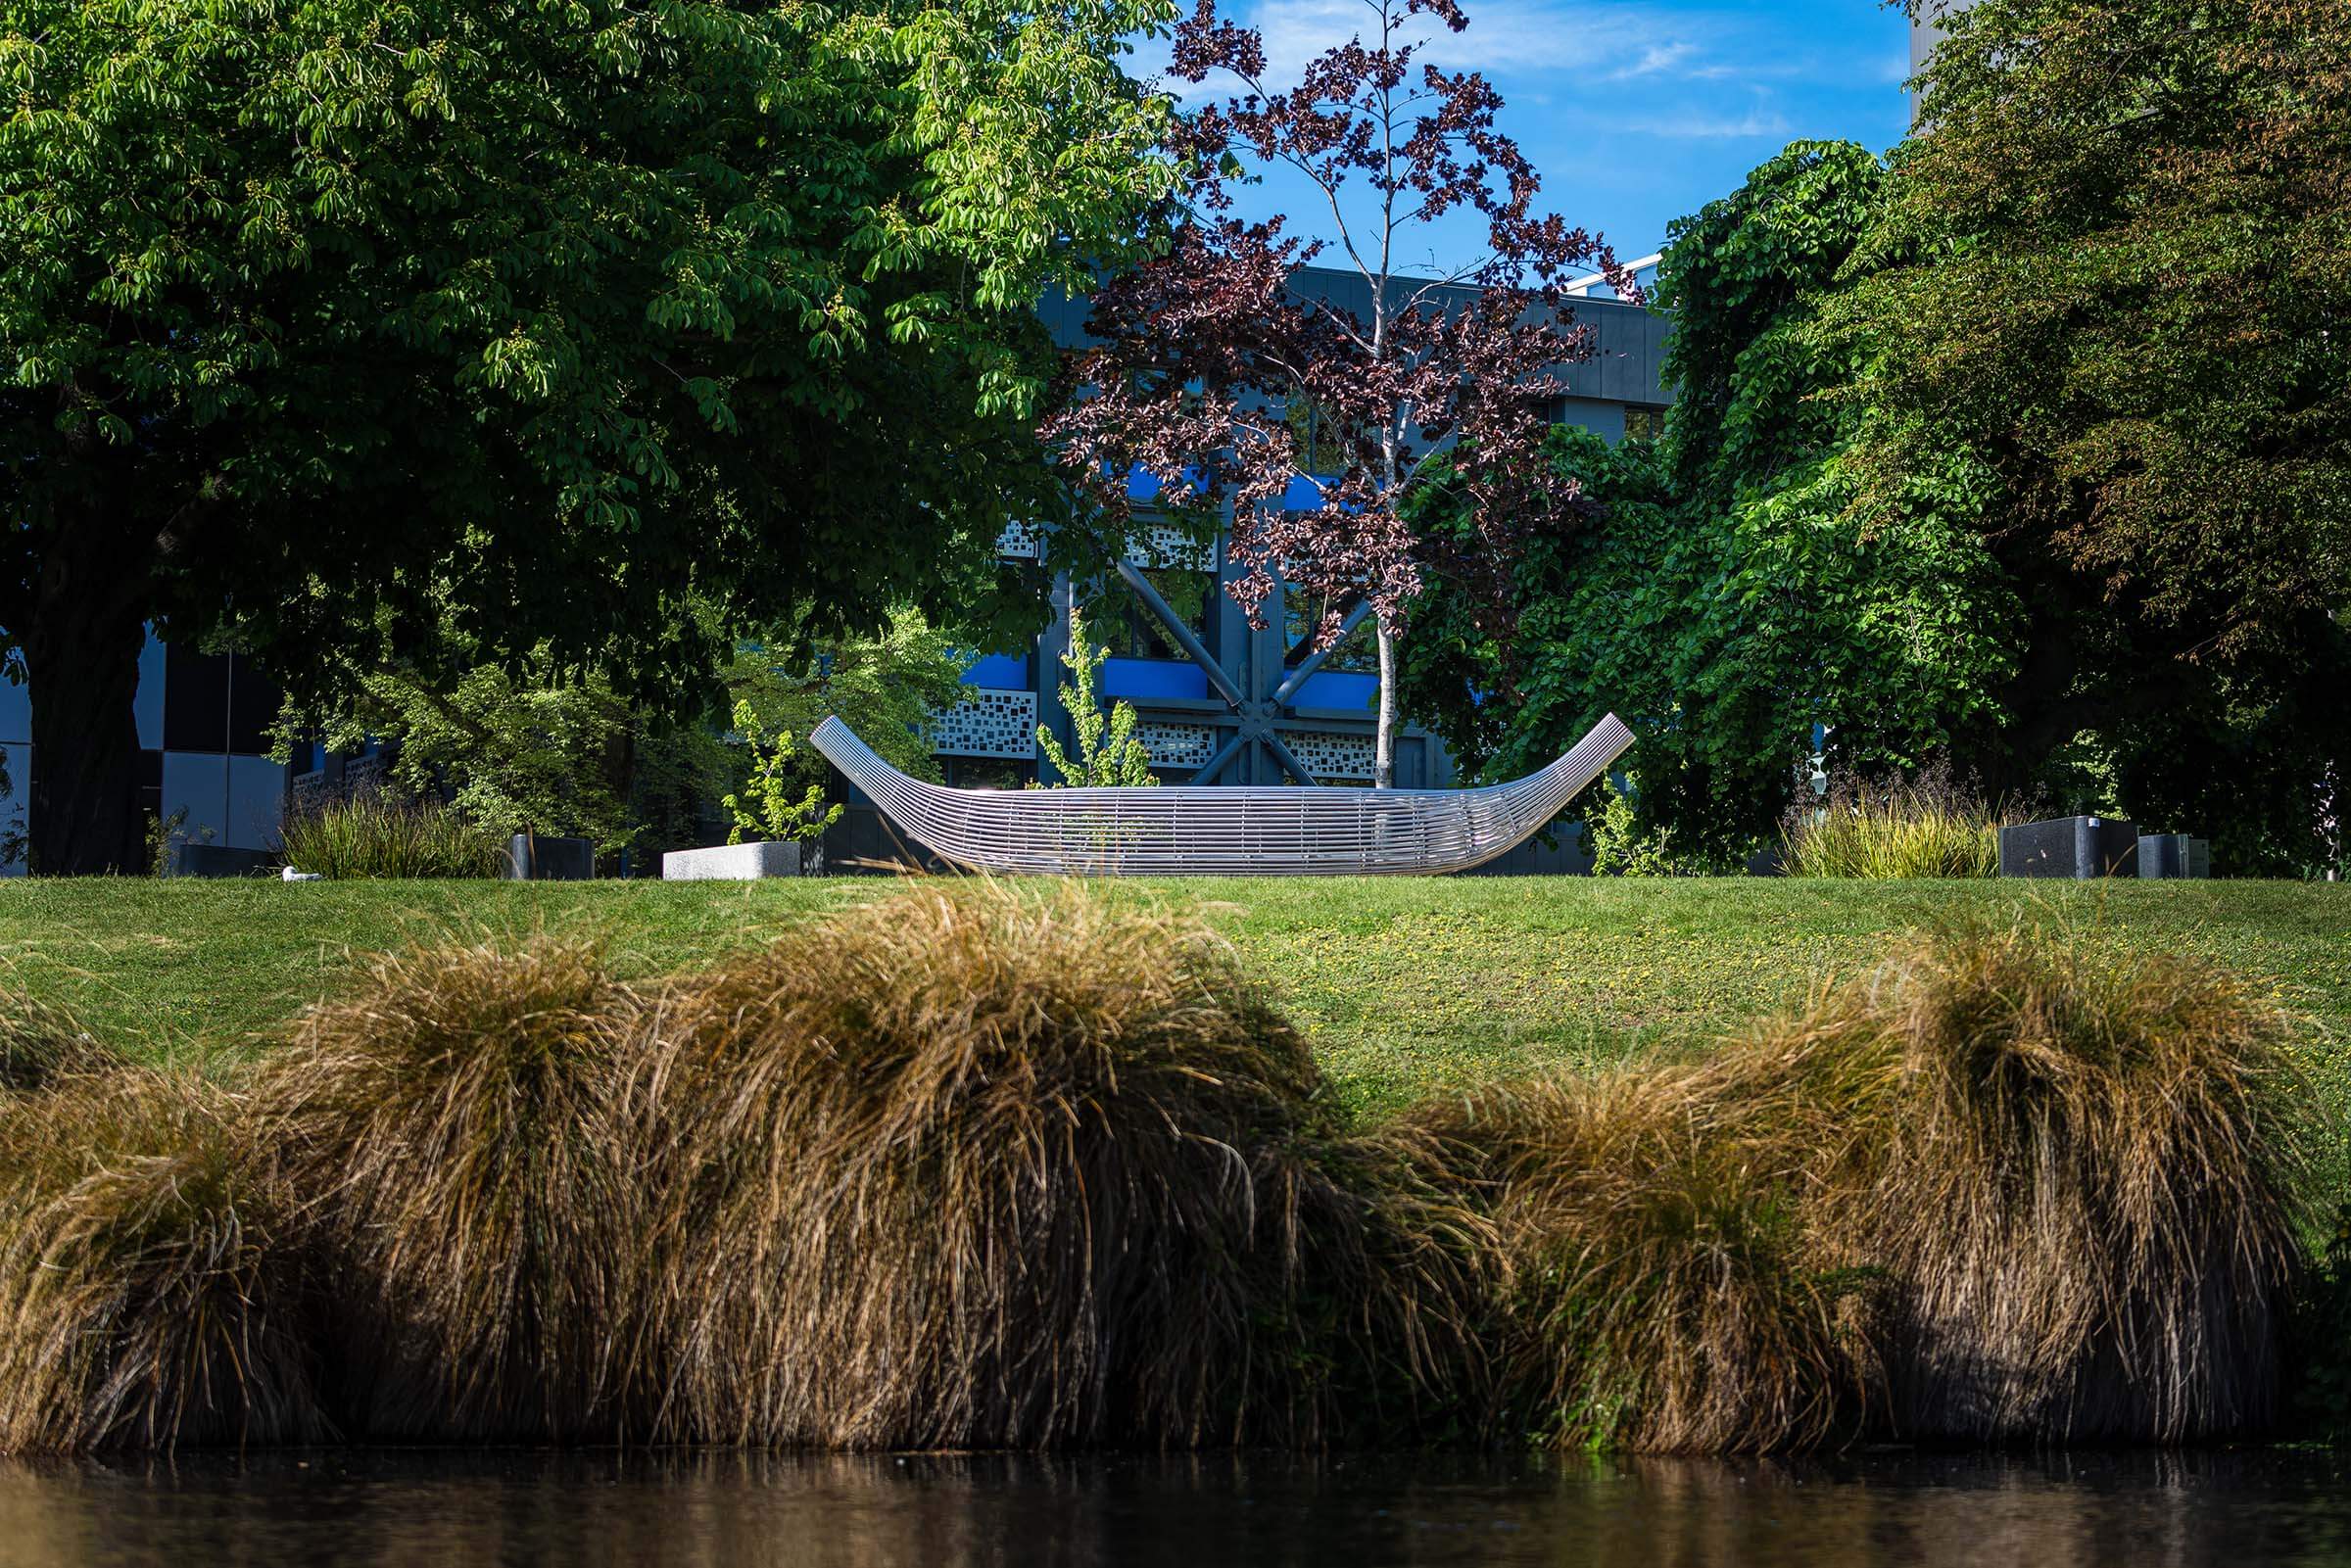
x=203 y=724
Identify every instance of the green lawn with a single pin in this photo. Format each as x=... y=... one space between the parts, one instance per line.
x=1402 y=983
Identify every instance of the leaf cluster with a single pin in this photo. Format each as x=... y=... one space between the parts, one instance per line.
x=338 y=320
x=1108 y=753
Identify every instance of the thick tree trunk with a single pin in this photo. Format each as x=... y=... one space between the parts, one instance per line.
x=81 y=660
x=1383 y=753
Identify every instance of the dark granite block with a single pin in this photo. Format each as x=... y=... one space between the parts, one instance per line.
x=218 y=860
x=2074 y=847
x=2174 y=855
x=548 y=859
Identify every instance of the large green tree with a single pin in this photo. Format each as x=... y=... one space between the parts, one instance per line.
x=2116 y=268
x=1722 y=589
x=326 y=320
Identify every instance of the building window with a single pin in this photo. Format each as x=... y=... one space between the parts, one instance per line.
x=1301 y=613
x=988 y=773
x=1643 y=422
x=1117 y=619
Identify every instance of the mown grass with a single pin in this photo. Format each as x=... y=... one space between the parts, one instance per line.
x=1400 y=985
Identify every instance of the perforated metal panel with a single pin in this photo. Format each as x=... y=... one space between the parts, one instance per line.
x=1183 y=829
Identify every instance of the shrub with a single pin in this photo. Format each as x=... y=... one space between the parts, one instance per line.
x=368 y=835
x=150 y=1293
x=1933 y=824
x=979 y=1170
x=472 y=1198
x=1622 y=846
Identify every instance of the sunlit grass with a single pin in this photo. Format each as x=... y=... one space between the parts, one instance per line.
x=1400 y=983
x=1879 y=830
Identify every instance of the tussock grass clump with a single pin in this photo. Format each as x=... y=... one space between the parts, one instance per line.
x=1932 y=825
x=369 y=836
x=2005 y=1189
x=41 y=1044
x=148 y=1291
x=450 y=1127
x=971 y=1169
x=2088 y=1180
x=1667 y=1292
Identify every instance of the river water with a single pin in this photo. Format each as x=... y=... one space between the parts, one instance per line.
x=443 y=1509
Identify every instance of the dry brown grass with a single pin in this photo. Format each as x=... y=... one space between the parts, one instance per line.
x=1667 y=1293
x=2087 y=1182
x=2005 y=1189
x=477 y=1212
x=147 y=1292
x=976 y=1169
x=971 y=1169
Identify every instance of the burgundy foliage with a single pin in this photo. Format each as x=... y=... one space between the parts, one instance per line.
x=1207 y=368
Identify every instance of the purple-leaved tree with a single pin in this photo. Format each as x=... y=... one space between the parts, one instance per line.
x=1310 y=419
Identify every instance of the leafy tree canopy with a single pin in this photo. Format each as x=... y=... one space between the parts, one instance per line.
x=1742 y=280
x=1723 y=636
x=1723 y=592
x=2116 y=268
x=327 y=320
x=2031 y=446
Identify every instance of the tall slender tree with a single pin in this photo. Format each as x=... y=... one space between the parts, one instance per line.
x=1310 y=415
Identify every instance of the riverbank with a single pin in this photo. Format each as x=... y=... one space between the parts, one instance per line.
x=1401 y=984
x=1043 y=1168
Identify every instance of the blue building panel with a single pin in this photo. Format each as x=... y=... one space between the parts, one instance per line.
x=1341 y=690
x=1146 y=679
x=999 y=672
x=1603 y=418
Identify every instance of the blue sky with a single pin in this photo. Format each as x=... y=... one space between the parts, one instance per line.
x=1636 y=112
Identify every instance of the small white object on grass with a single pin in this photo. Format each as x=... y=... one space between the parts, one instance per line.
x=292 y=875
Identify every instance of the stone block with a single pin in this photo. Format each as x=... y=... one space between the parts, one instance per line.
x=2079 y=849
x=544 y=858
x=2174 y=855
x=732 y=862
x=219 y=860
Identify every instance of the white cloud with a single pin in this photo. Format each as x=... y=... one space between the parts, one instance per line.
x=1757 y=122
x=1659 y=57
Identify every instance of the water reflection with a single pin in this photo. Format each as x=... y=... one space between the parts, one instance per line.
x=965 y=1511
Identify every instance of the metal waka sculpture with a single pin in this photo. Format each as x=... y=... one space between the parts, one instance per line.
x=1190 y=830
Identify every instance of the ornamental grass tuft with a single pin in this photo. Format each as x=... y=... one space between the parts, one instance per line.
x=149 y=1296
x=975 y=1169
x=370 y=835
x=41 y=1043
x=2087 y=1181
x=450 y=1127
x=1931 y=824
x=1665 y=1292
x=2005 y=1189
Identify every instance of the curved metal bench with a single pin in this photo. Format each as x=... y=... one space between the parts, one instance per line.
x=1193 y=829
